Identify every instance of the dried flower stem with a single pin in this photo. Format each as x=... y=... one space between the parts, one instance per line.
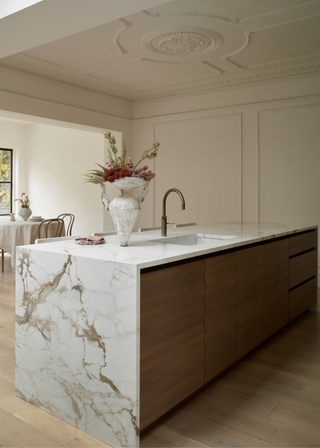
x=148 y=154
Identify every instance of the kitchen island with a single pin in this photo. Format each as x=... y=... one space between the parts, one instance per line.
x=110 y=338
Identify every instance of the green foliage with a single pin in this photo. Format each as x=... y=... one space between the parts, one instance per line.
x=24 y=201
x=5 y=165
x=5 y=176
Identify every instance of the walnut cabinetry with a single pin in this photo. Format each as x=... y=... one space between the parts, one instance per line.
x=220 y=313
x=262 y=296
x=303 y=255
x=171 y=337
x=199 y=317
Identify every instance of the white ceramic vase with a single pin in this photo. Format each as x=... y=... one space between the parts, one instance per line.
x=125 y=208
x=25 y=213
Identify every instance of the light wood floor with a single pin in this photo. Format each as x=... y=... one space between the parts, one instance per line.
x=272 y=399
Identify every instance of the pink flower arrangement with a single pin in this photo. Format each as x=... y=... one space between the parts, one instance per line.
x=117 y=168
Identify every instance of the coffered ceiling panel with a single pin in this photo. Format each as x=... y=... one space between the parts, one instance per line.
x=145 y=74
x=81 y=49
x=182 y=46
x=300 y=40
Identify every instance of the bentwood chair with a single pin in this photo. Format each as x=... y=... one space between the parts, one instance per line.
x=71 y=221
x=2 y=256
x=51 y=228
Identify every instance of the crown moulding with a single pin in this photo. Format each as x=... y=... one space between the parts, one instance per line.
x=240 y=82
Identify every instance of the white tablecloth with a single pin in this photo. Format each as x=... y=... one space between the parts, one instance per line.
x=18 y=233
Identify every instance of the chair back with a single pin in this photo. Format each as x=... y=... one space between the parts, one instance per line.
x=70 y=224
x=51 y=228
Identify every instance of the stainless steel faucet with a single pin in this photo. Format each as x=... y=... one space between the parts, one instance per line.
x=164 y=215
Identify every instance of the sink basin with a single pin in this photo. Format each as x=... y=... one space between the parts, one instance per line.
x=191 y=240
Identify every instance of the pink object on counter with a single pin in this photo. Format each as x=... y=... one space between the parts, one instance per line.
x=90 y=242
x=95 y=238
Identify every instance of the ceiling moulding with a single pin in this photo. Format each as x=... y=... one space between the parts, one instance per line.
x=191 y=14
x=60 y=84
x=126 y=25
x=286 y=60
x=286 y=22
x=246 y=43
x=243 y=85
x=137 y=89
x=279 y=11
x=243 y=81
x=236 y=80
x=250 y=33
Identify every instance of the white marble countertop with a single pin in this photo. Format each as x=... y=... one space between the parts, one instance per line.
x=144 y=252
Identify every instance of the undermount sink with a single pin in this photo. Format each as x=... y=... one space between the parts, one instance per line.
x=191 y=240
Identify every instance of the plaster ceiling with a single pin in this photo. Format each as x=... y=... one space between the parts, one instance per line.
x=182 y=46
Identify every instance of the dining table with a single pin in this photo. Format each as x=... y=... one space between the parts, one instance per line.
x=19 y=233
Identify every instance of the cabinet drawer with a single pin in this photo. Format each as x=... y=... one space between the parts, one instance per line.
x=302 y=267
x=301 y=298
x=304 y=241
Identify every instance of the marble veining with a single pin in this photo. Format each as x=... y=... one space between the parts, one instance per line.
x=77 y=322
x=76 y=342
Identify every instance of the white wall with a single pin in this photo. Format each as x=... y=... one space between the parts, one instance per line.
x=202 y=158
x=289 y=162
x=56 y=159
x=14 y=136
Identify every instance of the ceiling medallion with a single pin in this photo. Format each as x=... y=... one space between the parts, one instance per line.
x=183 y=41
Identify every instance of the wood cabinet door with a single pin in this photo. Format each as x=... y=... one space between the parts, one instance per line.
x=249 y=332
x=171 y=337
x=262 y=289
x=275 y=287
x=220 y=313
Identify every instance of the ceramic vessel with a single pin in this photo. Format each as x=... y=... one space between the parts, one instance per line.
x=25 y=213
x=12 y=218
x=124 y=209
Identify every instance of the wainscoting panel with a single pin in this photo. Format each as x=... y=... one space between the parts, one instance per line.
x=202 y=158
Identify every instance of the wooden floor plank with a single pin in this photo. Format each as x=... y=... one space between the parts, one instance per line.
x=271 y=391
x=264 y=429
x=298 y=418
x=205 y=430
x=271 y=374
x=58 y=430
x=8 y=401
x=163 y=436
x=191 y=443
x=242 y=398
x=312 y=388
x=17 y=433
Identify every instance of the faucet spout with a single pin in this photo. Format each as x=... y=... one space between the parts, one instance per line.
x=164 y=213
